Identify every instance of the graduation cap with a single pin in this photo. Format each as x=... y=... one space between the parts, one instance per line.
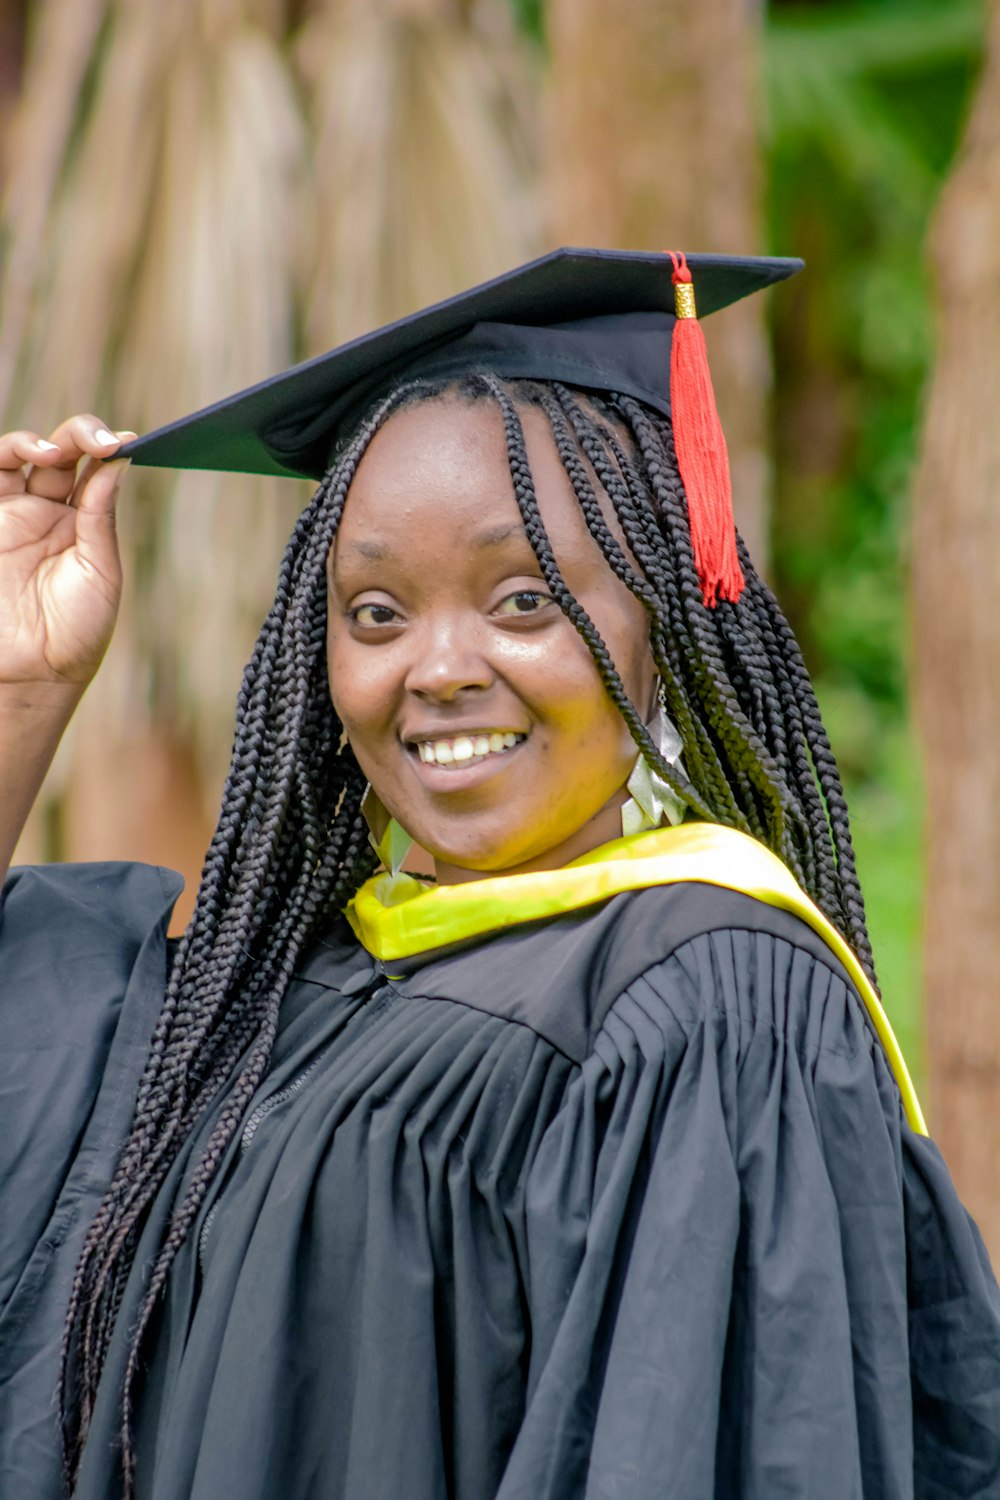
x=601 y=320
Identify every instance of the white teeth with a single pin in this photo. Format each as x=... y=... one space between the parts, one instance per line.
x=465 y=747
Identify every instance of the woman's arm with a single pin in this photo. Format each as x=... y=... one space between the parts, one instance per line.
x=31 y=726
x=60 y=583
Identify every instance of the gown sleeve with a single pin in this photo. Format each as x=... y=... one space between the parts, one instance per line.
x=75 y=941
x=748 y=1278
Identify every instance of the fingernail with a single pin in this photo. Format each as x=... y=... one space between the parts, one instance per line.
x=46 y=447
x=102 y=435
x=128 y=437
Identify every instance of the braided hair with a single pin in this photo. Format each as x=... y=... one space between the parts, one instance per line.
x=291 y=845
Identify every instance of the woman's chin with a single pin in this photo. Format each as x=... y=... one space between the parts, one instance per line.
x=493 y=854
x=454 y=865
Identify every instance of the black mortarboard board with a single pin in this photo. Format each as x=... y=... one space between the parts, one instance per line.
x=598 y=319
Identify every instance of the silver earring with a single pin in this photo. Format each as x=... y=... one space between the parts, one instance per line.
x=651 y=800
x=388 y=838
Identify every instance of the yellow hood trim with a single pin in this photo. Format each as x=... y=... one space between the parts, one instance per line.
x=398 y=916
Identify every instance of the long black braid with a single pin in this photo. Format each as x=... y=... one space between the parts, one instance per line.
x=291 y=845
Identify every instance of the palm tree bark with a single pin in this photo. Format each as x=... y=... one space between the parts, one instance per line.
x=957 y=665
x=652 y=142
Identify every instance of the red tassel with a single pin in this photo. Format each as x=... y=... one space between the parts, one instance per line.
x=702 y=455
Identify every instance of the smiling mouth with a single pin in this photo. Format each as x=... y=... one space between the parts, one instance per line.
x=464 y=750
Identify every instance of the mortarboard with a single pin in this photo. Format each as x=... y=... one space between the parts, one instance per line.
x=602 y=320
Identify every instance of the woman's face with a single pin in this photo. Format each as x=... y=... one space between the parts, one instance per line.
x=471 y=702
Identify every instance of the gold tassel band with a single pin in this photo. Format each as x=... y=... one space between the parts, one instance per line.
x=684 y=300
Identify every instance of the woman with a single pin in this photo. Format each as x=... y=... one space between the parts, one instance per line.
x=591 y=1171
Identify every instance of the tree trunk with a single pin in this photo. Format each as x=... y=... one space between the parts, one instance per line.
x=13 y=16
x=652 y=143
x=957 y=668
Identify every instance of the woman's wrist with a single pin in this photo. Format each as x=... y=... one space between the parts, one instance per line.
x=33 y=717
x=44 y=701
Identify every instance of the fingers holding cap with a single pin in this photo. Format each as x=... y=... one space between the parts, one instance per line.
x=53 y=474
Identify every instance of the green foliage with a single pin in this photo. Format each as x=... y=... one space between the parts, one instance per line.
x=530 y=17
x=883 y=795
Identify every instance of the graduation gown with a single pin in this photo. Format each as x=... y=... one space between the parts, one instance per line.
x=621 y=1202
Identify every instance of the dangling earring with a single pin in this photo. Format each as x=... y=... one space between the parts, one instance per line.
x=388 y=838
x=650 y=798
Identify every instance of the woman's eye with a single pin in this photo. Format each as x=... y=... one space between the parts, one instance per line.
x=373 y=614
x=524 y=602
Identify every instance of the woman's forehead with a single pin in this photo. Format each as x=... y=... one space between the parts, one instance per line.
x=444 y=465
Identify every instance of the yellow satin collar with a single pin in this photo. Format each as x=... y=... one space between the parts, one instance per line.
x=398 y=916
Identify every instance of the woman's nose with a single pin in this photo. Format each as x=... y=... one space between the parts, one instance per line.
x=447 y=660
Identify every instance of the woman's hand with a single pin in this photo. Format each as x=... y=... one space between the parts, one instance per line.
x=60 y=572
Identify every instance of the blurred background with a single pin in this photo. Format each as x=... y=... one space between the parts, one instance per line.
x=197 y=194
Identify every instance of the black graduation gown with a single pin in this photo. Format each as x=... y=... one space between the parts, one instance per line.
x=619 y=1205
